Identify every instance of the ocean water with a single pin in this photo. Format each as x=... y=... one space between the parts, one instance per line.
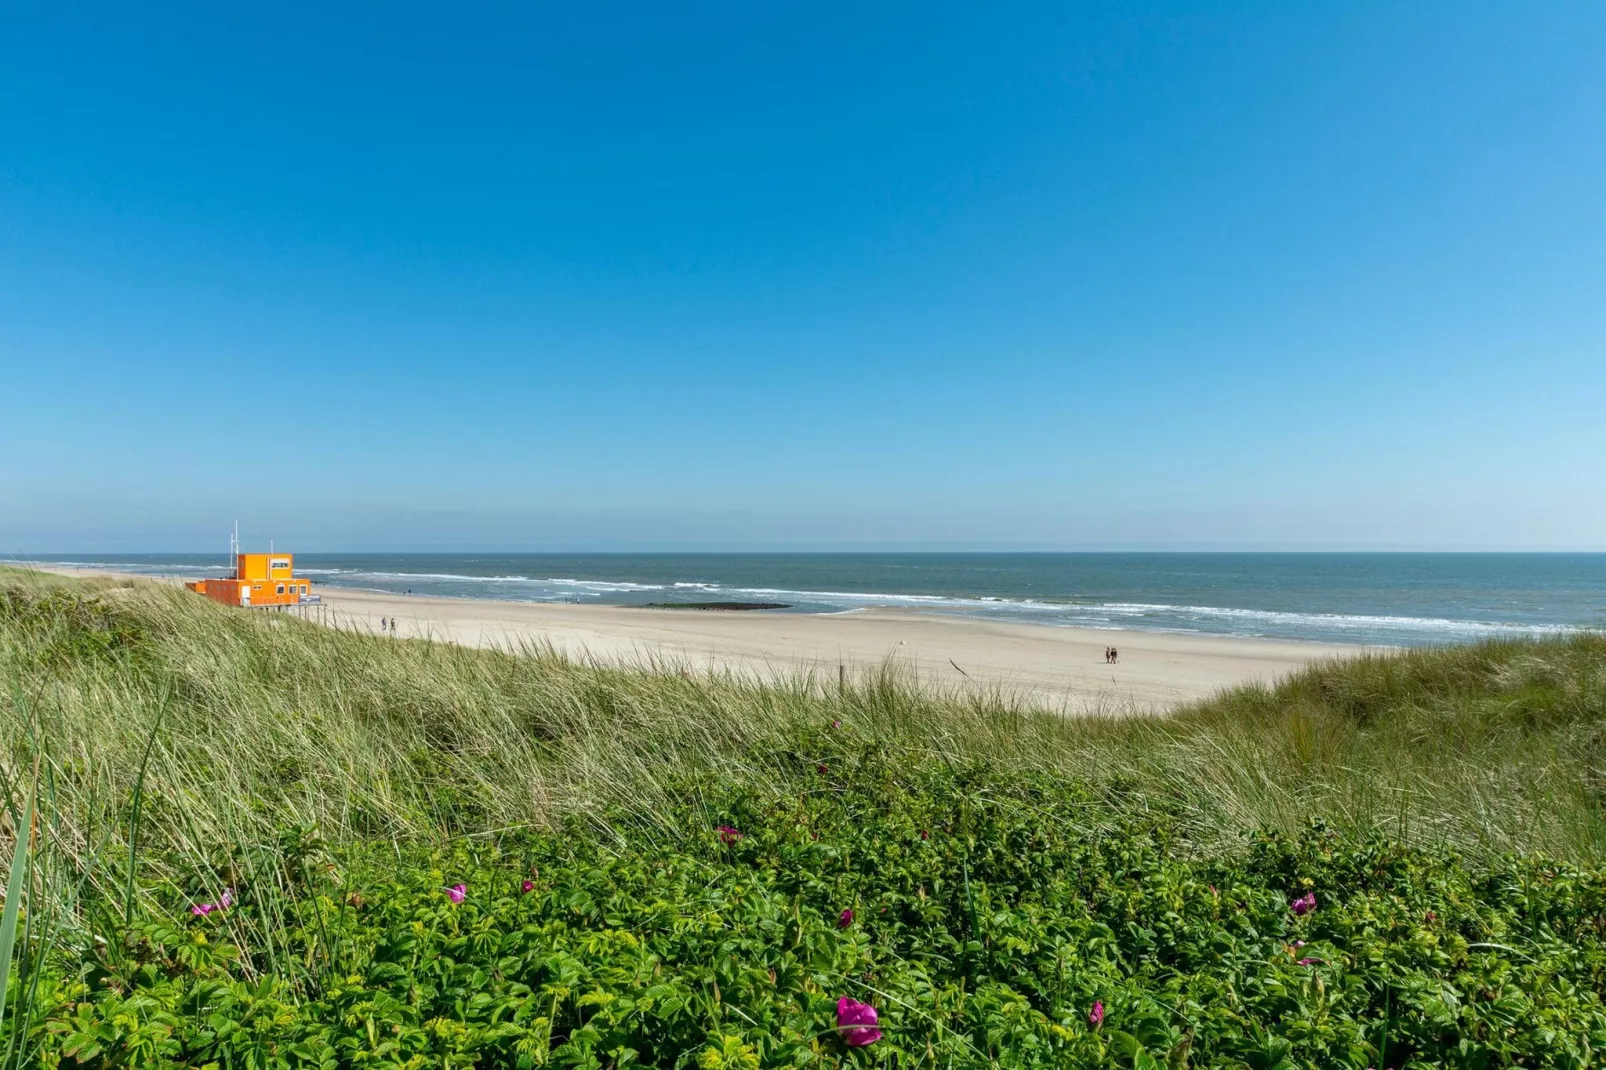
x=1384 y=599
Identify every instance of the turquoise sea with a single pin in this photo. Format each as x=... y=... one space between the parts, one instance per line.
x=1407 y=599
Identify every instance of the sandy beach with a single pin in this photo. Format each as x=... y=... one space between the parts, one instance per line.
x=1062 y=668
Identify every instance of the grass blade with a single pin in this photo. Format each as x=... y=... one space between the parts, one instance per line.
x=15 y=884
x=133 y=819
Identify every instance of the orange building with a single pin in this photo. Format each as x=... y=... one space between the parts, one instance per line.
x=259 y=580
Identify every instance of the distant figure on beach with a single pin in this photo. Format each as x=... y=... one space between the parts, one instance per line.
x=382 y=625
x=393 y=626
x=1115 y=656
x=1108 y=651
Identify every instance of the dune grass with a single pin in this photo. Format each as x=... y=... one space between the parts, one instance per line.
x=173 y=745
x=267 y=720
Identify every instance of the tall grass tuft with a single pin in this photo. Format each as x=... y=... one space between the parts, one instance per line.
x=16 y=888
x=206 y=733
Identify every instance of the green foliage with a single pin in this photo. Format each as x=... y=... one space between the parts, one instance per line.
x=59 y=628
x=1006 y=870
x=733 y=954
x=16 y=889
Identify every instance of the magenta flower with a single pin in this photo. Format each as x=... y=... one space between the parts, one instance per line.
x=925 y=834
x=528 y=887
x=821 y=769
x=729 y=835
x=1095 y=1017
x=457 y=893
x=201 y=910
x=1309 y=962
x=845 y=919
x=836 y=724
x=856 y=1022
x=1304 y=904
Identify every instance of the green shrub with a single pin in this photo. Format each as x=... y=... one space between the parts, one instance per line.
x=1005 y=871
x=989 y=914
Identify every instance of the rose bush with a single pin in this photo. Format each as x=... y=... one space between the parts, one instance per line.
x=983 y=942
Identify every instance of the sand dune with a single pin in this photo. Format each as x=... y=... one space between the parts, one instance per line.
x=1061 y=668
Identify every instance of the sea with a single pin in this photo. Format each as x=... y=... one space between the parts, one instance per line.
x=1386 y=599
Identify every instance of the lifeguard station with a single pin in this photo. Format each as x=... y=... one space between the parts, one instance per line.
x=259 y=581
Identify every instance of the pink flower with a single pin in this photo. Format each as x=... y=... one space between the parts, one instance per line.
x=836 y=724
x=845 y=919
x=457 y=893
x=1095 y=1017
x=856 y=1022
x=729 y=835
x=1304 y=904
x=820 y=769
x=1310 y=962
x=528 y=887
x=201 y=910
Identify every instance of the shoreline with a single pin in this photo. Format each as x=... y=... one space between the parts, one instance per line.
x=1061 y=668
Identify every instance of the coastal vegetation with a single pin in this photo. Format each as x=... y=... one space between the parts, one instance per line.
x=244 y=840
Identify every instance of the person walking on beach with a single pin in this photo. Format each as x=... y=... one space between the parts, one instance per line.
x=393 y=626
x=1115 y=656
x=382 y=625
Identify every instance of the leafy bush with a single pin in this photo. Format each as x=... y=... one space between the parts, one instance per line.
x=266 y=844
x=990 y=913
x=59 y=628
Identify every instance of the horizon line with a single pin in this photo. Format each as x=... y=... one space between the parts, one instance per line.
x=24 y=556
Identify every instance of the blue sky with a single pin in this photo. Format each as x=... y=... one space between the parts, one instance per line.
x=812 y=275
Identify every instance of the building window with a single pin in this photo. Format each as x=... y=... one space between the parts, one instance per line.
x=280 y=589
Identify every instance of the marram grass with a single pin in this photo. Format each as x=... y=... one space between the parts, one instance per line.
x=250 y=721
x=1003 y=869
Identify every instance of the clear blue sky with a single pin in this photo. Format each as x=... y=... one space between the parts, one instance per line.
x=752 y=275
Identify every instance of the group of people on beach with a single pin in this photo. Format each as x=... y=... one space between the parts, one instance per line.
x=1111 y=657
x=387 y=625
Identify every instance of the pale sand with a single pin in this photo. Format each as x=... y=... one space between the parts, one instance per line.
x=1062 y=668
